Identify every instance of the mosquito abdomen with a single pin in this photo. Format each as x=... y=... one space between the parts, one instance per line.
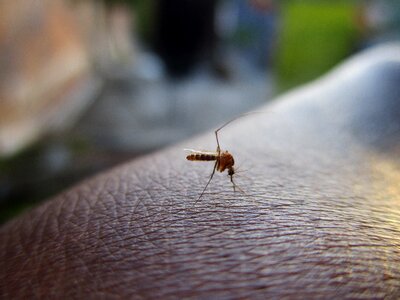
x=201 y=157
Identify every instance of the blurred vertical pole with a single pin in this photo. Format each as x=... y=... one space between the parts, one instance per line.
x=184 y=33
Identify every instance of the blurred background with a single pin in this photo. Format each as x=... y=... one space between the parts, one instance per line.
x=88 y=84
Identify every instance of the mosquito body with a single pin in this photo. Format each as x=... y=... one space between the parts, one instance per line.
x=223 y=160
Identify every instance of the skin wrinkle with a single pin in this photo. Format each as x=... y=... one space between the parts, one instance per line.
x=144 y=231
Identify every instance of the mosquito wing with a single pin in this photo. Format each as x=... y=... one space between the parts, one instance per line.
x=201 y=152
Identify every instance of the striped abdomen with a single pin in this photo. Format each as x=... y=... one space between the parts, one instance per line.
x=201 y=156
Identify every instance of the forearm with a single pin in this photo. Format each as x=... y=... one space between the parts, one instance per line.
x=319 y=217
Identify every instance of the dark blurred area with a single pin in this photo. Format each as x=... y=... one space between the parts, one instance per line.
x=184 y=33
x=85 y=84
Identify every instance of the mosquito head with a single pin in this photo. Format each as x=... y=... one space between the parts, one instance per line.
x=228 y=159
x=225 y=162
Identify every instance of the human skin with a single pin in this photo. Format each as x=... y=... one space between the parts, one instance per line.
x=319 y=219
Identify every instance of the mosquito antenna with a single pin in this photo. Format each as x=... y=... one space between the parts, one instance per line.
x=239 y=169
x=241 y=174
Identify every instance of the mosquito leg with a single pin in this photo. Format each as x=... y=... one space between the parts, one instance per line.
x=230 y=121
x=216 y=136
x=209 y=180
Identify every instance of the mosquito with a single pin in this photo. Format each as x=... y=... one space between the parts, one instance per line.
x=223 y=159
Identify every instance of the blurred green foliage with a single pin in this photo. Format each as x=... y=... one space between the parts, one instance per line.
x=314 y=36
